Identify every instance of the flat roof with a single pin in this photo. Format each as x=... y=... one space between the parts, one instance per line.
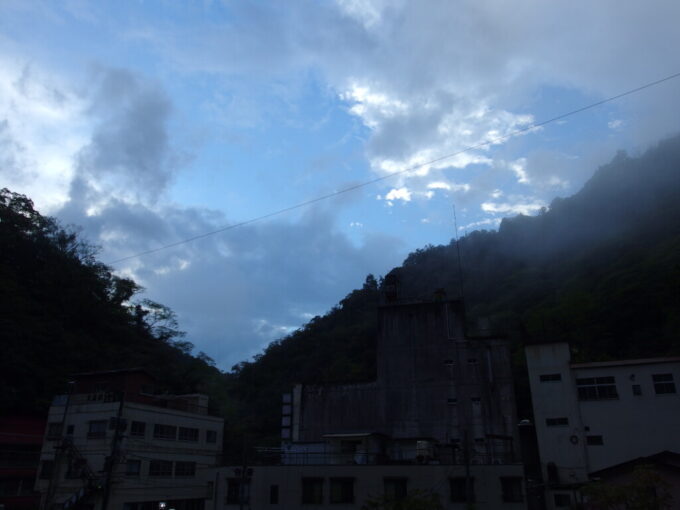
x=625 y=362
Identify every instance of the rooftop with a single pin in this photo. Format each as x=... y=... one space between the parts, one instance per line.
x=626 y=362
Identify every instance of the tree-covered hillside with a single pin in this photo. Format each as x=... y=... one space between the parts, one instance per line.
x=600 y=269
x=63 y=312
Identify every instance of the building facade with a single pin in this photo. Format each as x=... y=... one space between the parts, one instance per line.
x=590 y=417
x=114 y=442
x=440 y=417
x=20 y=443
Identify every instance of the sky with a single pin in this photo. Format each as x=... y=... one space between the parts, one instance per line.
x=144 y=123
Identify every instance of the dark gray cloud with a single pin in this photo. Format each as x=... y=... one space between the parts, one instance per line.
x=233 y=292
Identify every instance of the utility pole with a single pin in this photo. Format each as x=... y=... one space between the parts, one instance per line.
x=113 y=458
x=58 y=455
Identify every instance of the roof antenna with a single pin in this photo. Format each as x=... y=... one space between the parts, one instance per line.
x=460 y=269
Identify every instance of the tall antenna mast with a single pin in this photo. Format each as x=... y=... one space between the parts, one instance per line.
x=460 y=265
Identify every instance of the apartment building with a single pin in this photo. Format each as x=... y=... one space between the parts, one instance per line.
x=114 y=441
x=20 y=443
x=594 y=419
x=440 y=417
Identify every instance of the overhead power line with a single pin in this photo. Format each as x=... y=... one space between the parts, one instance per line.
x=354 y=187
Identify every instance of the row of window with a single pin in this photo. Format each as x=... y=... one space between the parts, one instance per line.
x=164 y=468
x=341 y=490
x=604 y=388
x=97 y=430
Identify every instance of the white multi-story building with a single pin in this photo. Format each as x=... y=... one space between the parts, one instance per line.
x=114 y=443
x=593 y=416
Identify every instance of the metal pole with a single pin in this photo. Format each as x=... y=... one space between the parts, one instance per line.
x=114 y=454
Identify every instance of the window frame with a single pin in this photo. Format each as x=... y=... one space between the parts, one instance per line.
x=310 y=495
x=188 y=469
x=340 y=495
x=158 y=427
x=133 y=473
x=137 y=428
x=160 y=468
x=512 y=489
x=211 y=434
x=190 y=433
x=597 y=388
x=664 y=384
x=93 y=427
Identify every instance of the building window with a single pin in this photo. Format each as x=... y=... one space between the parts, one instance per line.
x=459 y=489
x=160 y=468
x=597 y=388
x=97 y=429
x=663 y=384
x=473 y=361
x=562 y=500
x=550 y=377
x=637 y=390
x=133 y=467
x=452 y=401
x=185 y=468
x=210 y=436
x=312 y=491
x=396 y=488
x=237 y=491
x=46 y=469
x=70 y=430
x=512 y=489
x=342 y=490
x=273 y=494
x=594 y=440
x=188 y=434
x=138 y=429
x=54 y=430
x=164 y=431
x=556 y=422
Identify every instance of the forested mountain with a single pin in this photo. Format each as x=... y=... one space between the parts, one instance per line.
x=600 y=269
x=63 y=312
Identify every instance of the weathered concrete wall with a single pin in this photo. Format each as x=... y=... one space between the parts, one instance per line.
x=432 y=383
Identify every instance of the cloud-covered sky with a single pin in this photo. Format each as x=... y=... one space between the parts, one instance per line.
x=150 y=122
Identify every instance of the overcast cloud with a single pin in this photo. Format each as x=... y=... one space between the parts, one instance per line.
x=108 y=138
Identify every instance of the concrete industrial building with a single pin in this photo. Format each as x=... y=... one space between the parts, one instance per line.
x=439 y=417
x=115 y=442
x=592 y=419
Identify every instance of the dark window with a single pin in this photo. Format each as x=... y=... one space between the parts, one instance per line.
x=562 y=500
x=663 y=384
x=512 y=489
x=210 y=436
x=459 y=489
x=396 y=488
x=312 y=491
x=97 y=429
x=164 y=431
x=46 y=469
x=133 y=467
x=550 y=377
x=69 y=430
x=273 y=494
x=188 y=434
x=160 y=468
x=448 y=362
x=138 y=429
x=637 y=390
x=54 y=430
x=74 y=468
x=238 y=491
x=342 y=490
x=185 y=468
x=473 y=361
x=594 y=440
x=452 y=401
x=597 y=388
x=556 y=422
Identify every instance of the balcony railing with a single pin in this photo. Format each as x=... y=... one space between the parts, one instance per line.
x=275 y=456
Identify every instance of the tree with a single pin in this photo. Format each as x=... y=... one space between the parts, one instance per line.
x=646 y=491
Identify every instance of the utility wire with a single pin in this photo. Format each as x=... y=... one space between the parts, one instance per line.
x=399 y=172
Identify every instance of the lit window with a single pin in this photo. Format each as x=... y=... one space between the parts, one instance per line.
x=663 y=384
x=597 y=388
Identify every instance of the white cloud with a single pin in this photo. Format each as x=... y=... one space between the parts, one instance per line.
x=399 y=194
x=490 y=222
x=615 y=124
x=520 y=205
